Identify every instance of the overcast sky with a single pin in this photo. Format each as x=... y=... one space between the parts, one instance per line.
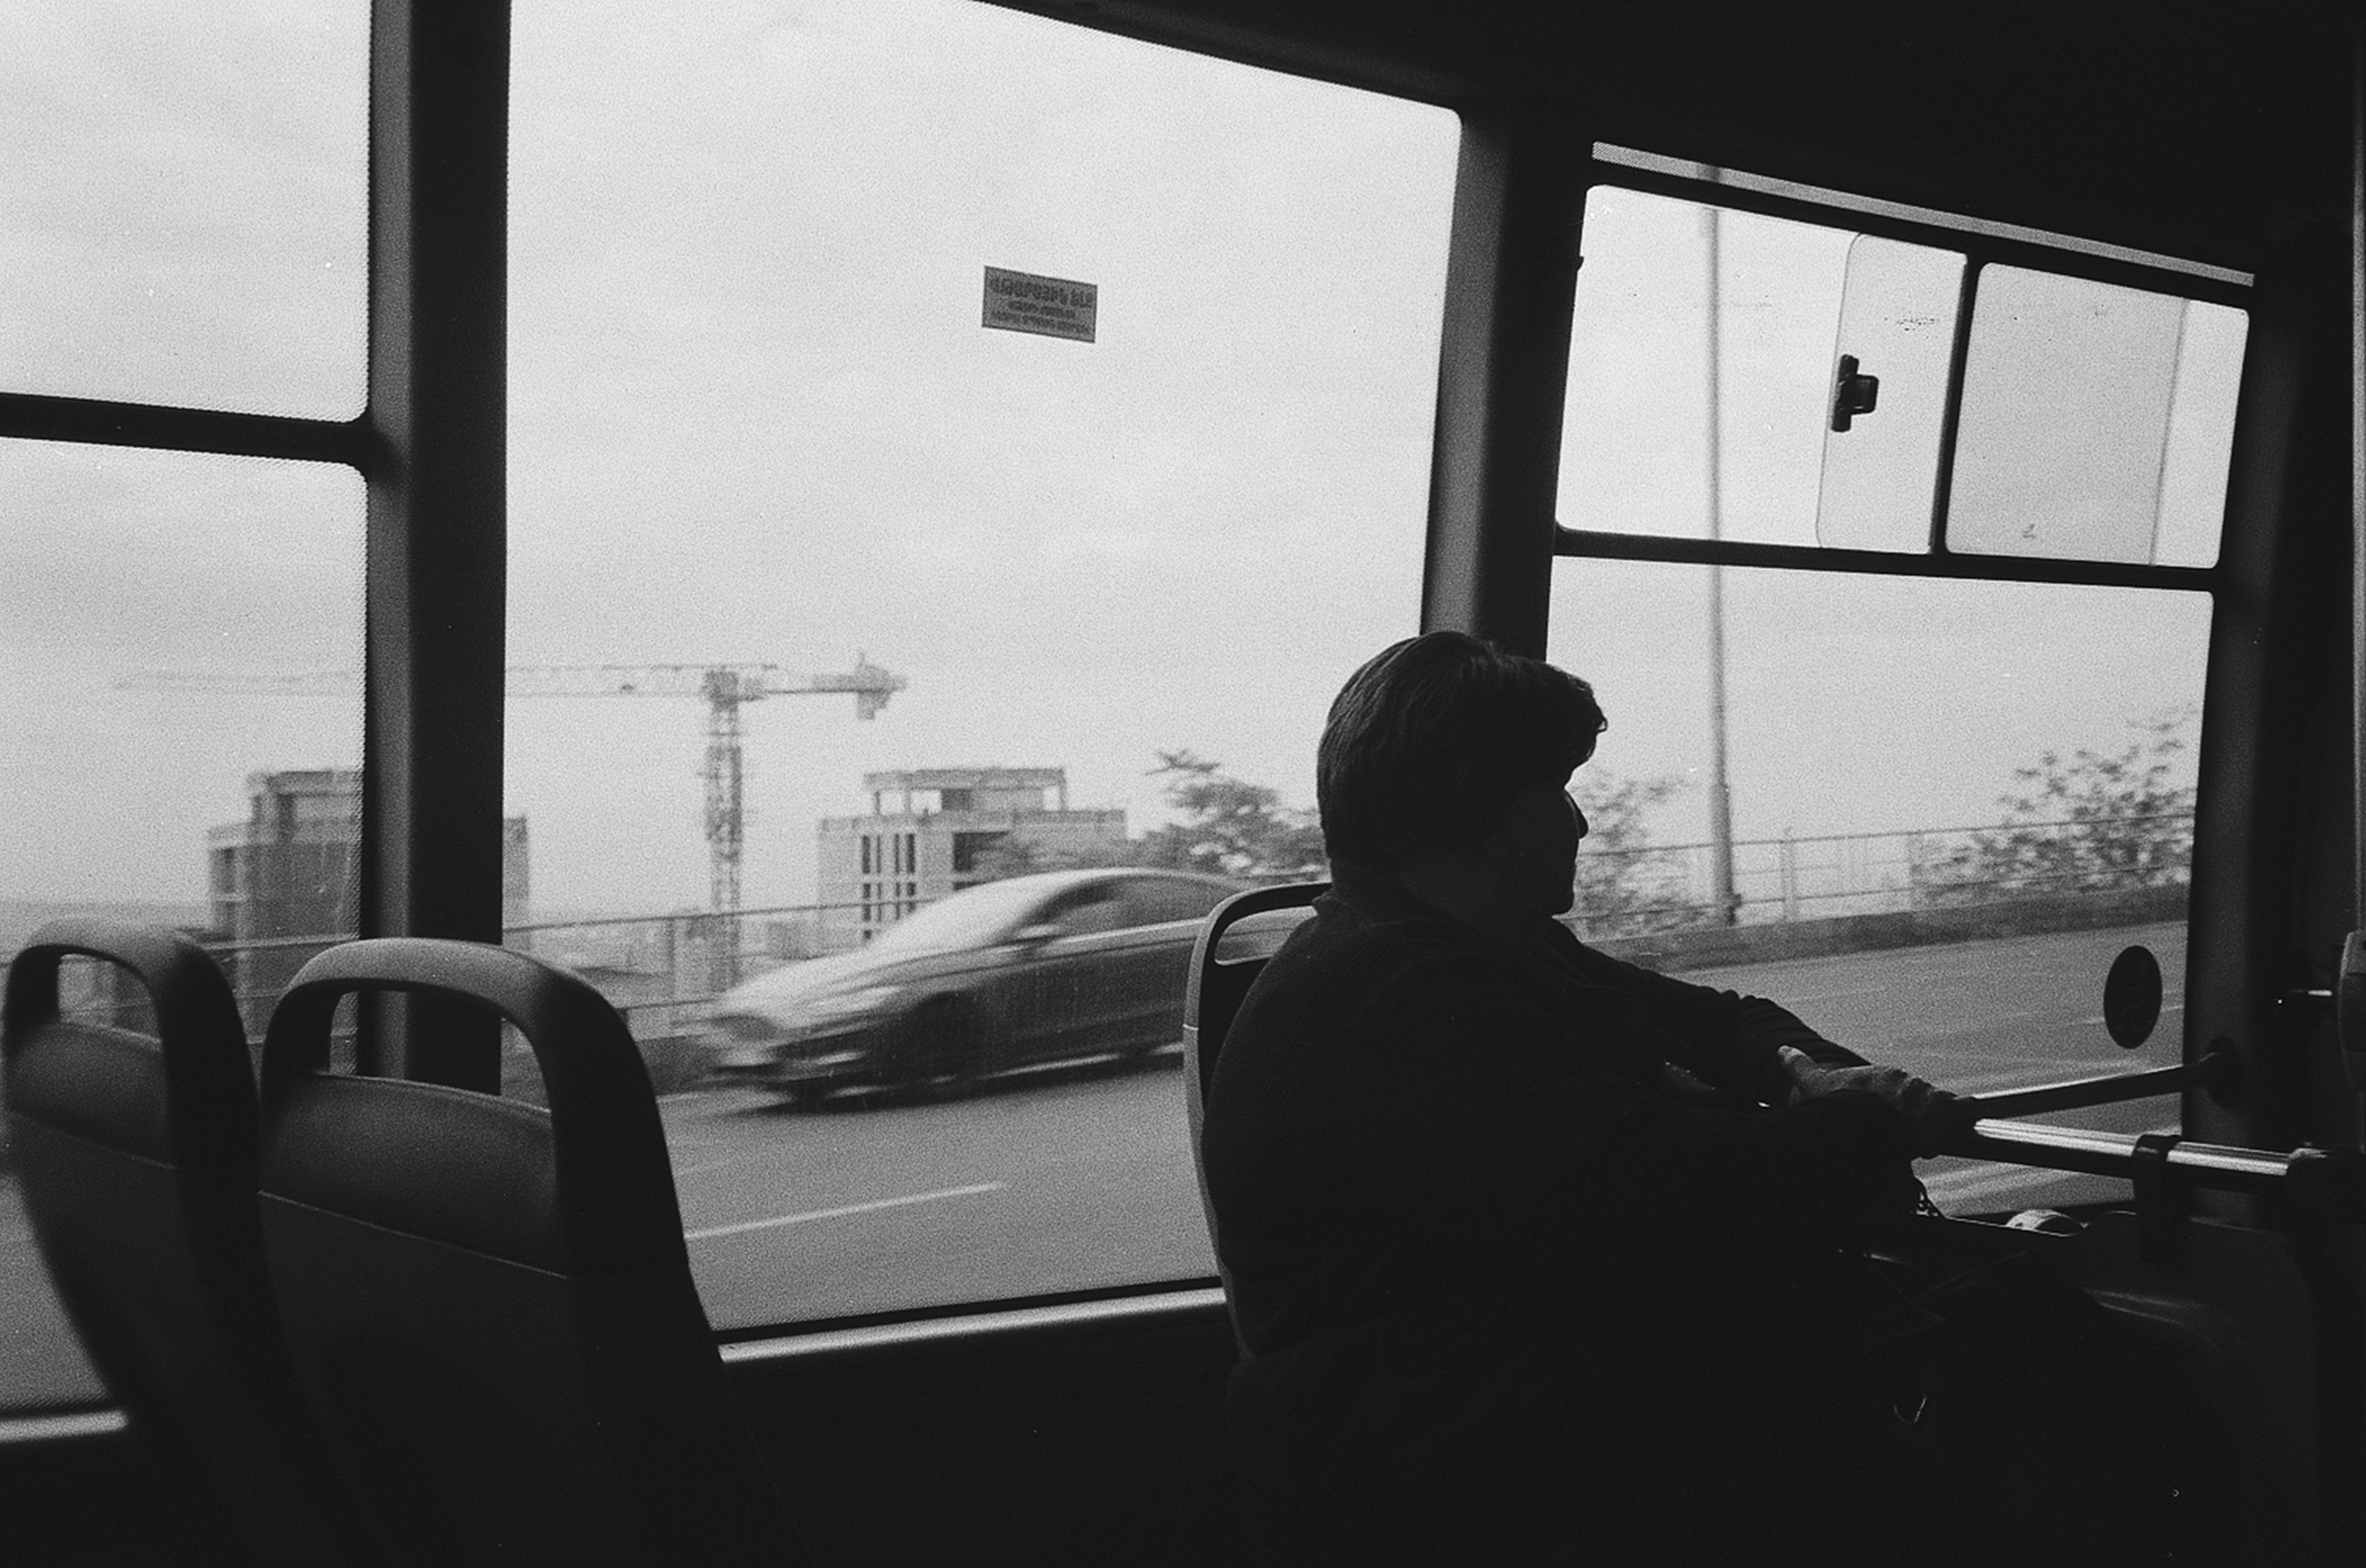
x=754 y=418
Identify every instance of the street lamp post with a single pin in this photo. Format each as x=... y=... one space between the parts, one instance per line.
x=1721 y=800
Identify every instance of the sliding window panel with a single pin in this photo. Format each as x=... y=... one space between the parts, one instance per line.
x=1740 y=376
x=2097 y=421
x=1701 y=368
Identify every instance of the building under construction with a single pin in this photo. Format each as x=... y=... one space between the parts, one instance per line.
x=280 y=883
x=936 y=830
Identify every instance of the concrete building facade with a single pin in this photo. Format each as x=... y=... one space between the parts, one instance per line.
x=932 y=831
x=285 y=874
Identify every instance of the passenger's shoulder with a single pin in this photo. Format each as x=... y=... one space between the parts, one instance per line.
x=1345 y=975
x=1341 y=939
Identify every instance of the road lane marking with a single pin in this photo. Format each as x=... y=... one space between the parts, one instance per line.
x=1976 y=1184
x=2166 y=1008
x=1802 y=998
x=841 y=1210
x=50 y=1428
x=2020 y=1075
x=2002 y=1079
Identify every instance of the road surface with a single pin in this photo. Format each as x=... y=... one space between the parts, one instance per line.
x=1081 y=1178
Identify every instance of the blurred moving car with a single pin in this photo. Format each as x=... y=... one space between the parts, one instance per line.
x=1049 y=967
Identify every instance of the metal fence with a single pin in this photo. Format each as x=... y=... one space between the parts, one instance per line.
x=664 y=971
x=661 y=971
x=1790 y=878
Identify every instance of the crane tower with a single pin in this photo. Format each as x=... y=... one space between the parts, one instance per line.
x=727 y=689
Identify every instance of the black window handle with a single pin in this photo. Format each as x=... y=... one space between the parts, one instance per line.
x=1853 y=394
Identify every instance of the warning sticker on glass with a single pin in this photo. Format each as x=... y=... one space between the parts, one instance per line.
x=1023 y=302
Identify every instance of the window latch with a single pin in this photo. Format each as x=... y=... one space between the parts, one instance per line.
x=1853 y=394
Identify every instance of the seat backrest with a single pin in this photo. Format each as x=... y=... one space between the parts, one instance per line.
x=1239 y=935
x=137 y=1156
x=490 y=1302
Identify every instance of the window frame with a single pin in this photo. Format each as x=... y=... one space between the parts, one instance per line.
x=429 y=444
x=2234 y=836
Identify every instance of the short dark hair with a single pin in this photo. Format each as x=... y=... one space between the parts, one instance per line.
x=1427 y=743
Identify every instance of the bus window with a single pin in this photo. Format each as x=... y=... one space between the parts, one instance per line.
x=168 y=618
x=1923 y=810
x=756 y=420
x=184 y=204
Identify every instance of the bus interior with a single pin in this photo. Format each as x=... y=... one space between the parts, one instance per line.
x=1936 y=432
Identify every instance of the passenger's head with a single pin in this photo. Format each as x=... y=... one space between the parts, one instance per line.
x=1428 y=743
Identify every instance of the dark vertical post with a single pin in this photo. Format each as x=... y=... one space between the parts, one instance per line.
x=432 y=828
x=1503 y=373
x=2351 y=987
x=1720 y=792
x=2358 y=471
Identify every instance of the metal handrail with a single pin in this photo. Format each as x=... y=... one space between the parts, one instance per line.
x=2217 y=1072
x=2332 y=1183
x=2329 y=1181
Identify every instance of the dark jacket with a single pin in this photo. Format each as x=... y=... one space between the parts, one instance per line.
x=1504 y=1276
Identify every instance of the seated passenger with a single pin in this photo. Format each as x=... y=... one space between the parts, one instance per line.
x=1531 y=1248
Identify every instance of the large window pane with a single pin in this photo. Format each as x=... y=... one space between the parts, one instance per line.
x=180 y=634
x=756 y=421
x=183 y=202
x=1952 y=803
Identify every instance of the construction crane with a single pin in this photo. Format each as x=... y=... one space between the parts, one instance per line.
x=727 y=689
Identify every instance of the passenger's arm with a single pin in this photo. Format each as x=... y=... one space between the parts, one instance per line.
x=1736 y=1042
x=1837 y=1167
x=1766 y=1051
x=1559 y=1097
x=1933 y=1117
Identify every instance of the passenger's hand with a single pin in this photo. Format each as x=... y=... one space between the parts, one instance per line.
x=1933 y=1117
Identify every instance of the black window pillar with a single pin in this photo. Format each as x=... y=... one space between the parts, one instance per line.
x=1510 y=276
x=432 y=849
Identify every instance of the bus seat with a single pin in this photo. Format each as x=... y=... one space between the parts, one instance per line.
x=137 y=1154
x=1240 y=934
x=491 y=1303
